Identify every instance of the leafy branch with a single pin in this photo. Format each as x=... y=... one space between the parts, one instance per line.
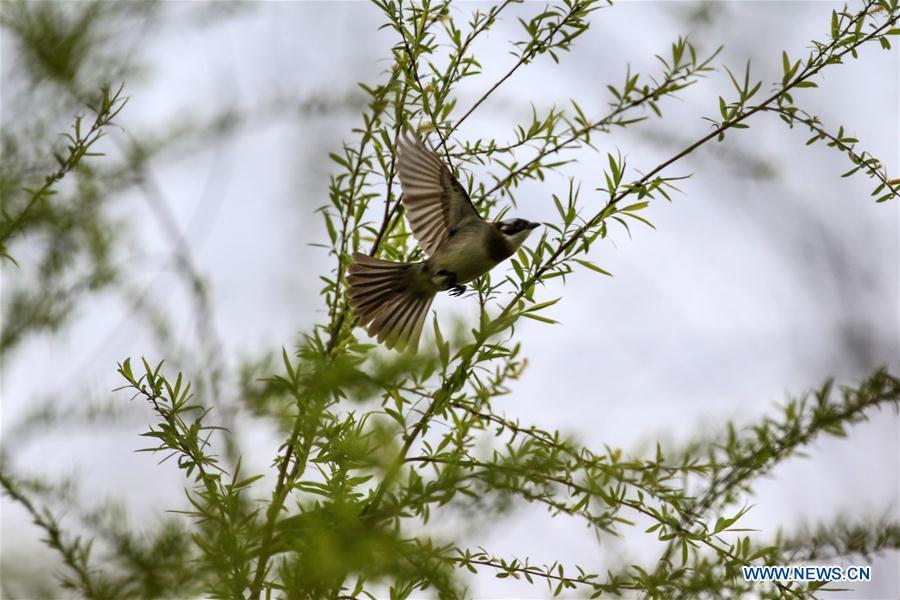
x=228 y=526
x=542 y=30
x=646 y=185
x=863 y=161
x=81 y=139
x=841 y=539
x=553 y=574
x=75 y=554
x=682 y=71
x=735 y=462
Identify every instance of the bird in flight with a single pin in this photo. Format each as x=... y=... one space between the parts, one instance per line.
x=391 y=299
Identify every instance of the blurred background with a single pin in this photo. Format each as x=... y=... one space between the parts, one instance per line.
x=190 y=241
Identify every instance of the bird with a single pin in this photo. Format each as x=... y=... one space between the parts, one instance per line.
x=391 y=299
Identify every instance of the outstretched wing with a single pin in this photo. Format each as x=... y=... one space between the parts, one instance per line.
x=436 y=204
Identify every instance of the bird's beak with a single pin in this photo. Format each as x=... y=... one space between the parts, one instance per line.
x=532 y=226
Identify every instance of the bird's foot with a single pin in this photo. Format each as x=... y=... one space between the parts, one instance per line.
x=457 y=290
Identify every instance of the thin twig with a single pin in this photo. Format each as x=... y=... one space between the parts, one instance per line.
x=526 y=56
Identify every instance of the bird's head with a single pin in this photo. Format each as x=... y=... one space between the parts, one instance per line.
x=515 y=230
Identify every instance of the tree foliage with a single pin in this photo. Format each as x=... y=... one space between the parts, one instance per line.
x=380 y=449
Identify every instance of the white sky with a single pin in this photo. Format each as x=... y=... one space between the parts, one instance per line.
x=749 y=289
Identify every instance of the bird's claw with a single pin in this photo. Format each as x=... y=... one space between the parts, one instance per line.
x=457 y=290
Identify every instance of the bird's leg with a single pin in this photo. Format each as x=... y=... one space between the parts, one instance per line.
x=450 y=285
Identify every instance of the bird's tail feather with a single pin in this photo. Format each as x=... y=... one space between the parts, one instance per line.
x=382 y=298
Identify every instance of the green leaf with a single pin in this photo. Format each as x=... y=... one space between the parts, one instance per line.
x=540 y=318
x=592 y=267
x=339 y=160
x=541 y=305
x=635 y=207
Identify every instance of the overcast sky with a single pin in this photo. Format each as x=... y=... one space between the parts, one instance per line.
x=767 y=275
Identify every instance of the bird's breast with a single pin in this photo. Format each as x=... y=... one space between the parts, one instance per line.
x=470 y=253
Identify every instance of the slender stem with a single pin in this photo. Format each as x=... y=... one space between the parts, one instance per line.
x=414 y=71
x=106 y=111
x=397 y=465
x=535 y=572
x=392 y=172
x=489 y=19
x=356 y=181
x=859 y=159
x=713 y=541
x=590 y=127
x=808 y=72
x=278 y=498
x=526 y=56
x=73 y=554
x=777 y=449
